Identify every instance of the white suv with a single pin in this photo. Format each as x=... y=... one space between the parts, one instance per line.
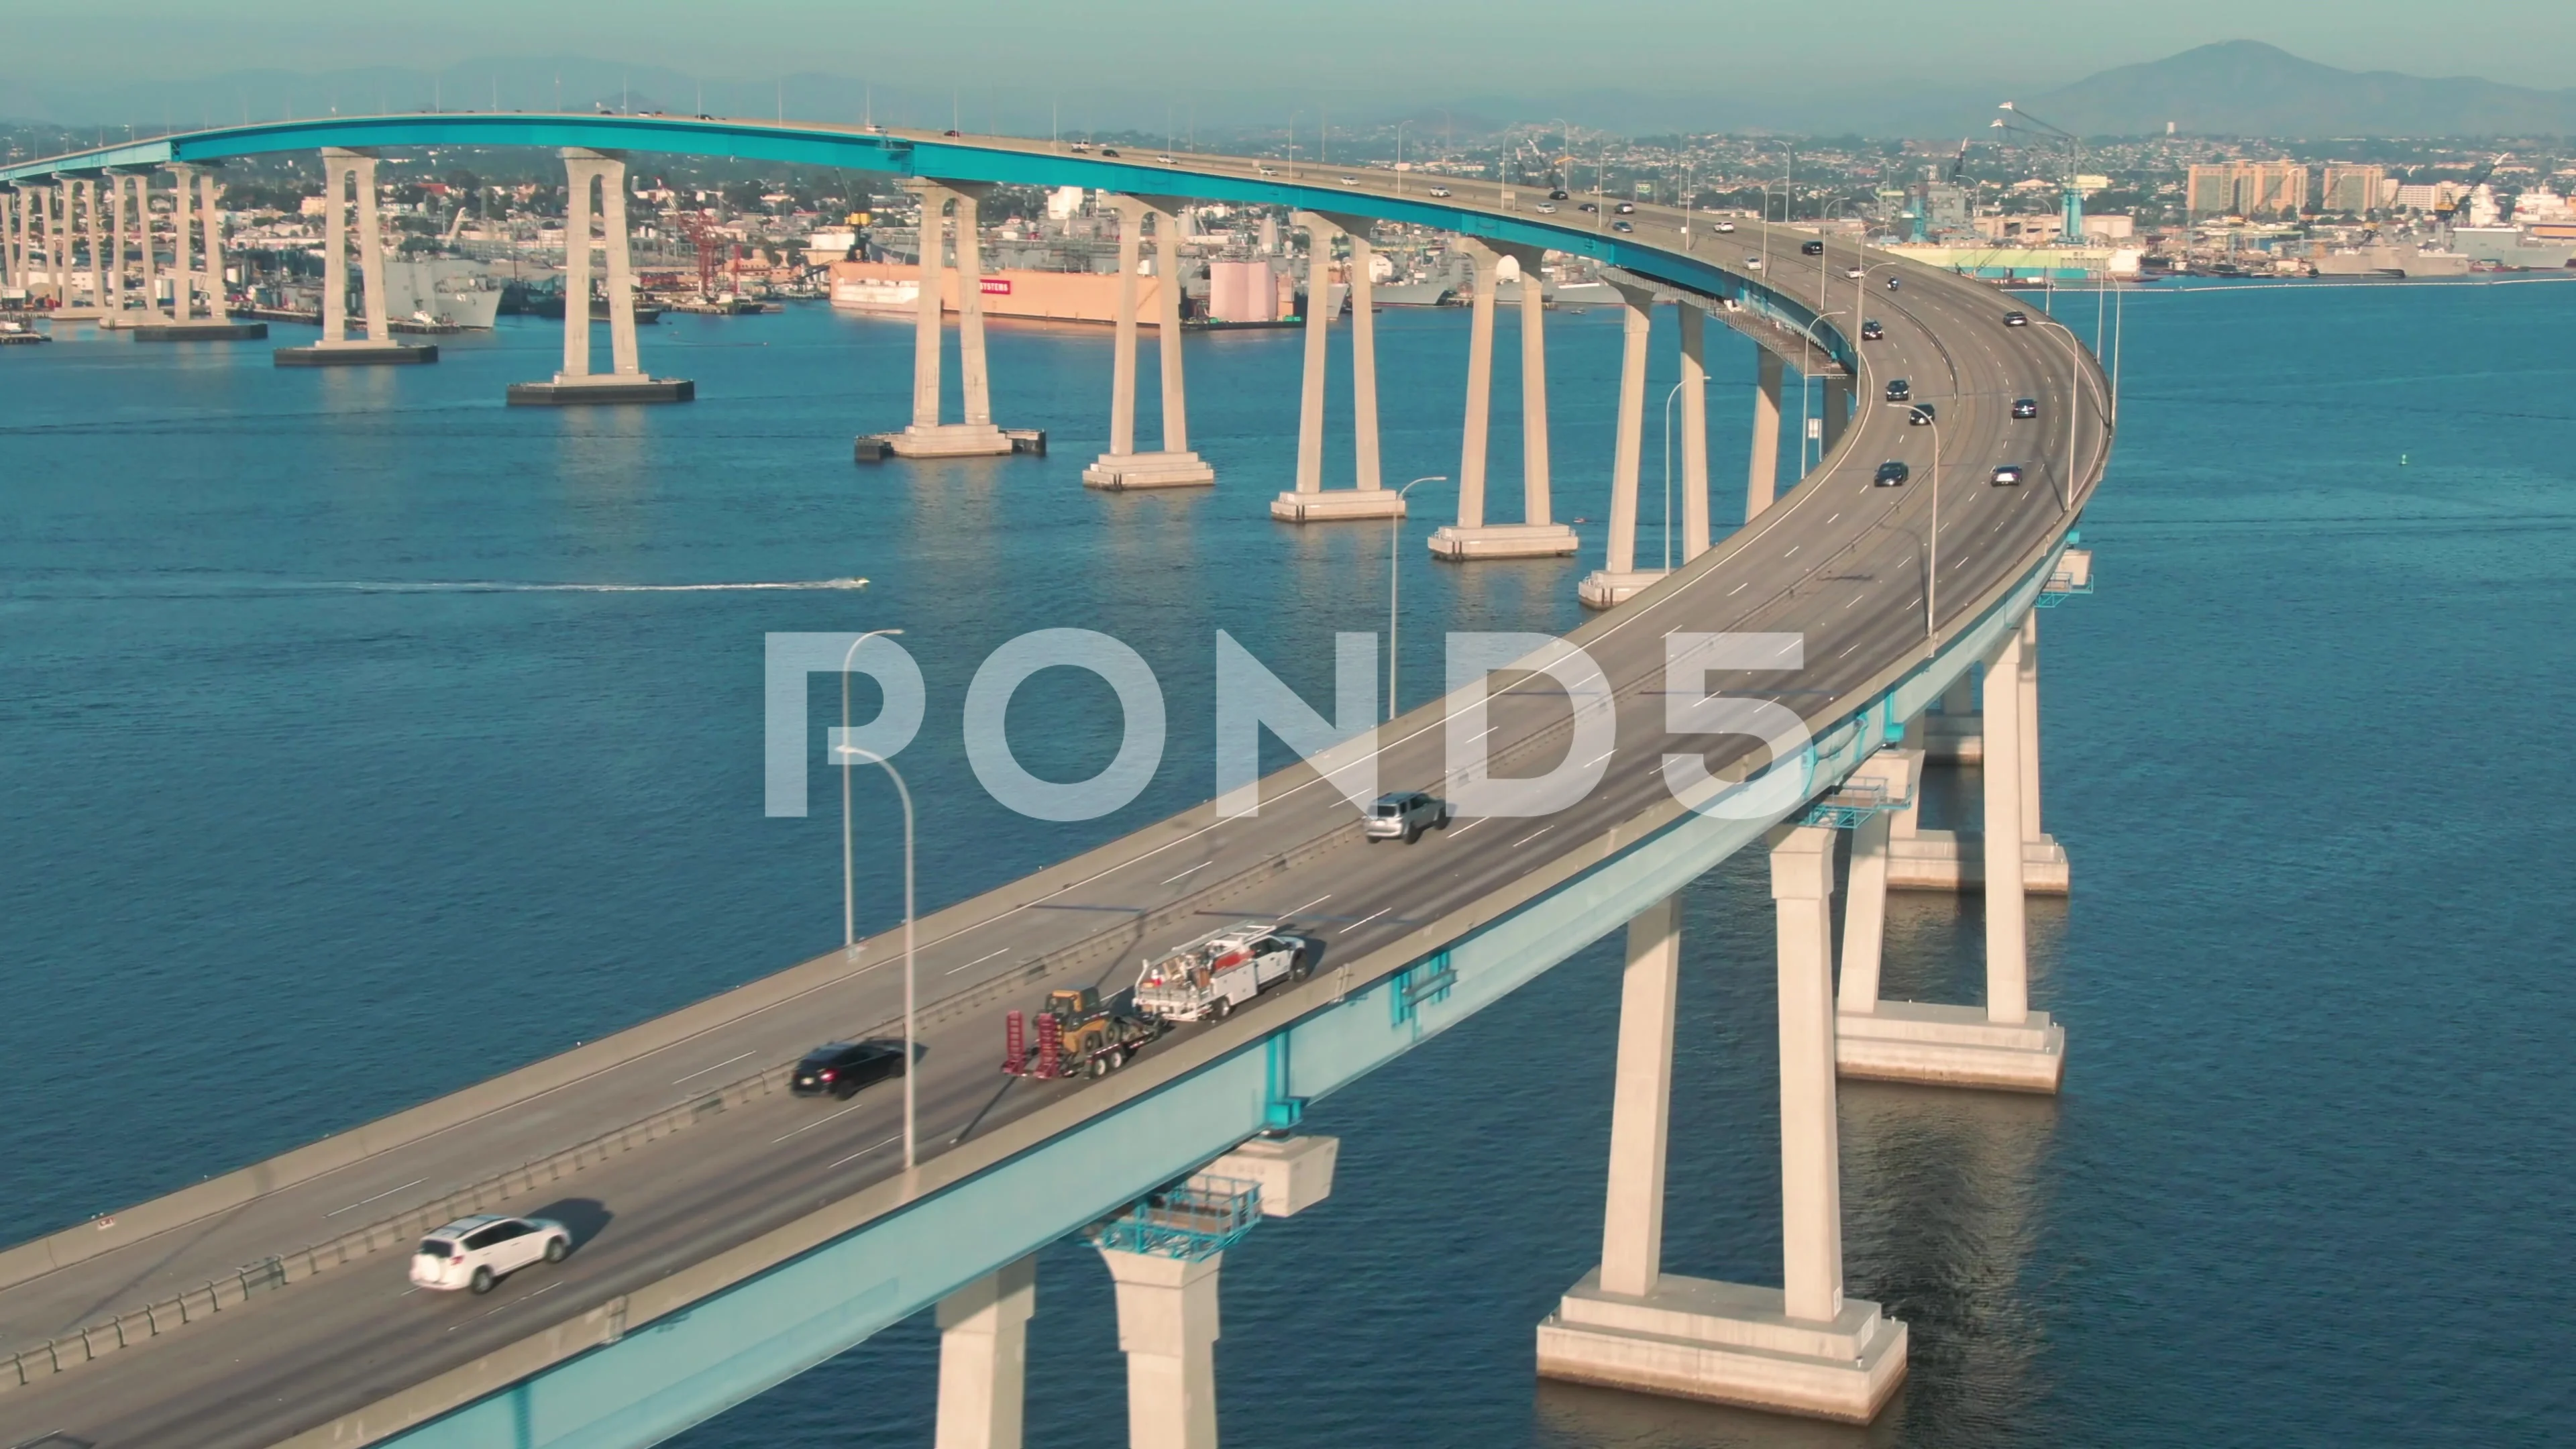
x=477 y=1252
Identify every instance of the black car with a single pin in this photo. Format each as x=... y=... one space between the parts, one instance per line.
x=1108 y=150
x=1894 y=283
x=840 y=1068
x=1891 y=474
x=1871 y=332
x=1587 y=206
x=1900 y=391
x=1622 y=226
x=1813 y=248
x=1920 y=414
x=2016 y=319
x=2025 y=407
x=1557 y=195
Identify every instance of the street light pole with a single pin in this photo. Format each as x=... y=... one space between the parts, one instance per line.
x=849 y=911
x=1394 y=574
x=910 y=1006
x=1668 y=473
x=2074 y=398
x=1932 y=576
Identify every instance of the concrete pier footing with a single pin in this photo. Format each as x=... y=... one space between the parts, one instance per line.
x=1727 y=1343
x=1336 y=504
x=1955 y=860
x=1952 y=1046
x=1503 y=540
x=1602 y=589
x=357 y=354
x=602 y=388
x=199 y=331
x=1119 y=471
x=877 y=447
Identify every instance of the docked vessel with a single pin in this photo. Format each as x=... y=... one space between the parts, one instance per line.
x=439 y=295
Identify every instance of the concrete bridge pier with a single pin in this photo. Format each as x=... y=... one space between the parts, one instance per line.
x=1803 y=1348
x=1620 y=579
x=12 y=262
x=926 y=436
x=1537 y=536
x=2004 y=1044
x=196 y=191
x=1951 y=860
x=626 y=382
x=1762 y=475
x=344 y=172
x=1310 y=501
x=983 y=1359
x=44 y=236
x=111 y=277
x=1167 y=1326
x=1694 y=327
x=1122 y=467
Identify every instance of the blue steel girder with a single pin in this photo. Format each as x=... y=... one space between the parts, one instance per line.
x=944 y=158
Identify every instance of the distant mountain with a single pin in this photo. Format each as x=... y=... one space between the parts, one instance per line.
x=2247 y=88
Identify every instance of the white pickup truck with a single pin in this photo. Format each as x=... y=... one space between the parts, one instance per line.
x=1211 y=976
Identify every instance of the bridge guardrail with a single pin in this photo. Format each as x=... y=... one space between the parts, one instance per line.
x=232 y=1290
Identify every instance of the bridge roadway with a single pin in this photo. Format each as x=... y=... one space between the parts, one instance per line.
x=1836 y=560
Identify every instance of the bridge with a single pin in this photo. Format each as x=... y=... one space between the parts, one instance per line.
x=1864 y=631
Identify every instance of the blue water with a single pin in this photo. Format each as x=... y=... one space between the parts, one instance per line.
x=317 y=833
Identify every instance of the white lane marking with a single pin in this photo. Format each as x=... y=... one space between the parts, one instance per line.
x=1847 y=651
x=702 y=1071
x=1830 y=520
x=362 y=1202
x=1856 y=598
x=1193 y=870
x=1364 y=920
x=1597 y=759
x=1793 y=550
x=978 y=961
x=819 y=1121
x=513 y=1303
x=864 y=1151
x=1310 y=905
x=1470 y=825
x=1533 y=835
x=1739 y=588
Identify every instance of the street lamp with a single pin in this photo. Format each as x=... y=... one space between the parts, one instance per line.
x=1932 y=576
x=1394 y=573
x=1806 y=391
x=849 y=914
x=2074 y=396
x=1668 y=467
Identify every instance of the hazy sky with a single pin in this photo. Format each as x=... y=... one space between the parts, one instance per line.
x=1383 y=50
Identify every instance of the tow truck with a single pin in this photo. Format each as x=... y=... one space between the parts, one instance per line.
x=1211 y=976
x=1076 y=1036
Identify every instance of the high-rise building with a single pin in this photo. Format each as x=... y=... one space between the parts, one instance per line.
x=2248 y=188
x=2354 y=189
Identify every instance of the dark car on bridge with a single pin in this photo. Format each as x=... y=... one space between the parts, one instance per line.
x=1921 y=414
x=1899 y=390
x=1622 y=226
x=2006 y=475
x=1891 y=474
x=1870 y=331
x=1813 y=248
x=2016 y=319
x=2025 y=407
x=840 y=1068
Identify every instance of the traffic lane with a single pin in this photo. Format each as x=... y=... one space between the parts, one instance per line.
x=334 y=1342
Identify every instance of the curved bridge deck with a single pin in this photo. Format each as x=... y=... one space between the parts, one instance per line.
x=761 y=1235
